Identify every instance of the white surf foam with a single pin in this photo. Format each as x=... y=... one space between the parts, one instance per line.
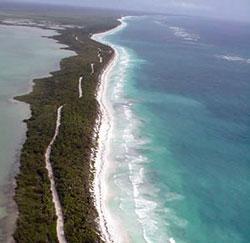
x=110 y=233
x=234 y=58
x=145 y=195
x=132 y=182
x=182 y=33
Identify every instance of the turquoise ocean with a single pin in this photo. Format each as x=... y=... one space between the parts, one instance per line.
x=180 y=147
x=25 y=54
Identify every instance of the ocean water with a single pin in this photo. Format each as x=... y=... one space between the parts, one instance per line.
x=24 y=55
x=179 y=160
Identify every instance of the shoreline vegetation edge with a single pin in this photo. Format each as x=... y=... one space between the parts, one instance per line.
x=104 y=126
x=36 y=219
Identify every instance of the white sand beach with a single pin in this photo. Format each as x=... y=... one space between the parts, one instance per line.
x=108 y=225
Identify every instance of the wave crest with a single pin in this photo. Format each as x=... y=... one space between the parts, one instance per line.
x=182 y=33
x=234 y=59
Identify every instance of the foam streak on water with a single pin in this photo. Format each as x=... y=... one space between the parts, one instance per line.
x=175 y=157
x=128 y=205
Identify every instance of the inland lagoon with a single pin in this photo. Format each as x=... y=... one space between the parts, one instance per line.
x=25 y=54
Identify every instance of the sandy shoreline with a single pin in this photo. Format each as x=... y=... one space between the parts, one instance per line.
x=100 y=191
x=111 y=228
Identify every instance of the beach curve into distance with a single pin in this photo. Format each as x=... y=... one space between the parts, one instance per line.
x=104 y=124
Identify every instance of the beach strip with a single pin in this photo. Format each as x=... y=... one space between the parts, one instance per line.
x=100 y=192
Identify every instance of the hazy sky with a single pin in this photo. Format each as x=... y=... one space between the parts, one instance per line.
x=235 y=9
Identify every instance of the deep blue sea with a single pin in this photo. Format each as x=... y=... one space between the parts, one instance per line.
x=180 y=147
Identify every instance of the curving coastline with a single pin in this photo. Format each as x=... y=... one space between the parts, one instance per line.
x=104 y=127
x=40 y=217
x=112 y=228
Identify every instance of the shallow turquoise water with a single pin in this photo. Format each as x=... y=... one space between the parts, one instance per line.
x=24 y=55
x=180 y=144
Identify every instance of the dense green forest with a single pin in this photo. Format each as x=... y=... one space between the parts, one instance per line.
x=71 y=152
